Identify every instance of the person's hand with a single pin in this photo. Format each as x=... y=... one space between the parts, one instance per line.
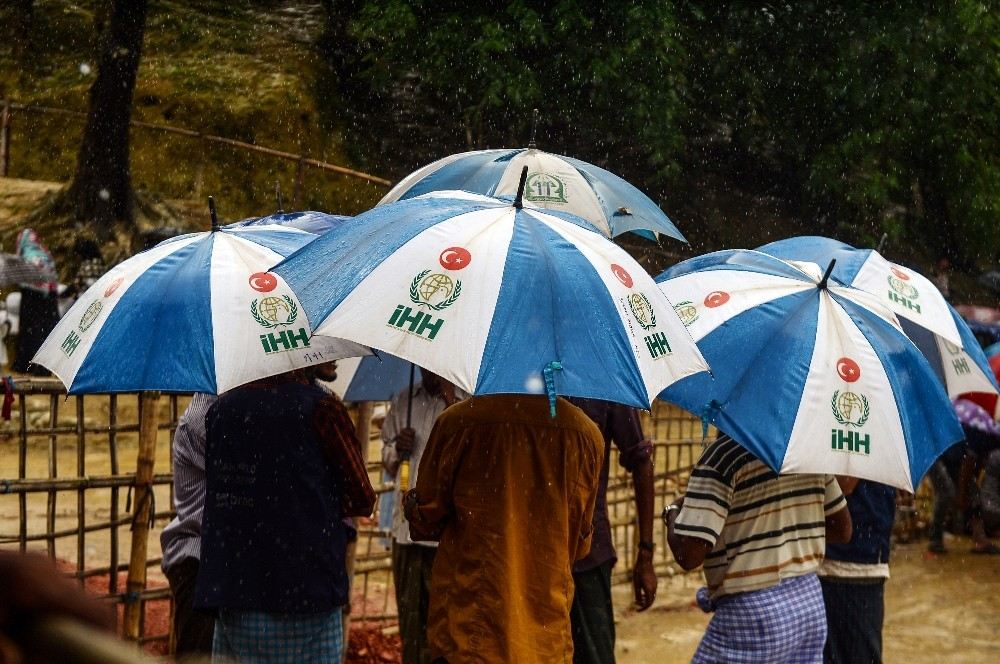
x=31 y=586
x=404 y=442
x=644 y=580
x=410 y=504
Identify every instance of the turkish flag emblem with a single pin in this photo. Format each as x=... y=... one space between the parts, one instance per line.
x=848 y=369
x=622 y=275
x=263 y=282
x=109 y=291
x=716 y=299
x=455 y=258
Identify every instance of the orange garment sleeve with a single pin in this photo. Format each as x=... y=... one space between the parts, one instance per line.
x=435 y=483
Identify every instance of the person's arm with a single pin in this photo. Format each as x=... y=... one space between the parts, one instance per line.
x=847 y=484
x=335 y=430
x=644 y=581
x=591 y=480
x=429 y=506
x=635 y=455
x=838 y=517
x=839 y=527
x=689 y=552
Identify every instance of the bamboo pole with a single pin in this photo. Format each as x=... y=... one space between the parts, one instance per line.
x=145 y=462
x=364 y=428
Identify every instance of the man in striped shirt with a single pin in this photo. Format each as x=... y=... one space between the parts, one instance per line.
x=761 y=537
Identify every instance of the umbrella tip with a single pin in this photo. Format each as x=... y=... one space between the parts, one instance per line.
x=520 y=189
x=534 y=128
x=826 y=275
x=211 y=211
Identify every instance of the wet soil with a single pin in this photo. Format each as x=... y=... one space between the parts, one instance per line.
x=939 y=608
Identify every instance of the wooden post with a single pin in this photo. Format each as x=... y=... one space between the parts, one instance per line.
x=300 y=176
x=141 y=513
x=363 y=428
x=5 y=138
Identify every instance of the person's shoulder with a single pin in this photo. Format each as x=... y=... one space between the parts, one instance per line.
x=726 y=456
x=569 y=415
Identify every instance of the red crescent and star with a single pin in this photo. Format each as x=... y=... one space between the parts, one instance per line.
x=848 y=369
x=622 y=275
x=113 y=286
x=716 y=299
x=263 y=282
x=455 y=258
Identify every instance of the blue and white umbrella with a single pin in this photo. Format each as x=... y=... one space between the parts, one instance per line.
x=926 y=317
x=554 y=182
x=199 y=312
x=313 y=222
x=810 y=375
x=495 y=298
x=371 y=378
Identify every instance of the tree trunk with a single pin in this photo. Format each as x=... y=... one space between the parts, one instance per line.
x=101 y=193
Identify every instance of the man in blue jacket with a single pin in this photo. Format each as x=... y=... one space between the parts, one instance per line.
x=853 y=575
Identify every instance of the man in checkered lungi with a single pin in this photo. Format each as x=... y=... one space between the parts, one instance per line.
x=761 y=537
x=282 y=469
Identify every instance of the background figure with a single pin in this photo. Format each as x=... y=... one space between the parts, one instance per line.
x=853 y=575
x=181 y=539
x=761 y=551
x=31 y=590
x=592 y=614
x=509 y=491
x=412 y=561
x=954 y=477
x=39 y=309
x=283 y=467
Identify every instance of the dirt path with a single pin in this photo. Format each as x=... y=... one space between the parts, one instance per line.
x=938 y=609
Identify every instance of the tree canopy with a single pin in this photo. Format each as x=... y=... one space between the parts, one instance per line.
x=862 y=118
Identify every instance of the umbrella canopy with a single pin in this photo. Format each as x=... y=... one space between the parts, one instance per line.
x=495 y=298
x=554 y=183
x=989 y=401
x=371 y=378
x=316 y=223
x=926 y=317
x=810 y=375
x=16 y=270
x=196 y=313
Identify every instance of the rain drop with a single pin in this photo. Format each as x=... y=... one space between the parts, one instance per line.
x=85 y=69
x=104 y=194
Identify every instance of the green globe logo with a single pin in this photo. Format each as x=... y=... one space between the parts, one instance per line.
x=436 y=288
x=273 y=311
x=903 y=288
x=850 y=408
x=435 y=291
x=642 y=310
x=687 y=312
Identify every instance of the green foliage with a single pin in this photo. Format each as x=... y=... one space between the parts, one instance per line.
x=604 y=76
x=870 y=117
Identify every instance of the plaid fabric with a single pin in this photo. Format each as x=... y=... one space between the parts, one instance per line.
x=255 y=637
x=783 y=624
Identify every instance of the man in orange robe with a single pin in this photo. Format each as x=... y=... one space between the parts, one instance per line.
x=509 y=492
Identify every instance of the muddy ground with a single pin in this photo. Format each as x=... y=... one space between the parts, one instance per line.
x=938 y=609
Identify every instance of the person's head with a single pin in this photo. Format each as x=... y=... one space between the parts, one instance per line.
x=432 y=382
x=326 y=372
